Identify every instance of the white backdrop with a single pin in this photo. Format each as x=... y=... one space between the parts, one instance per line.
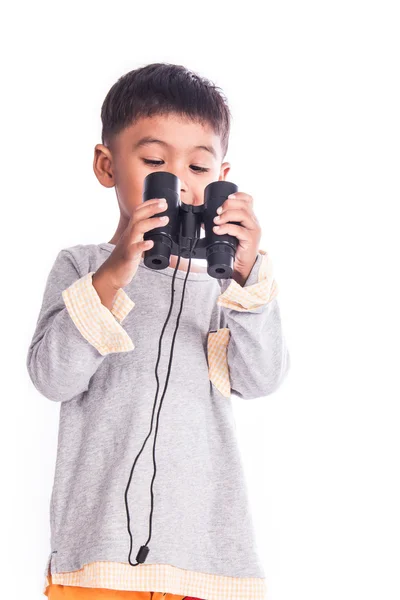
x=314 y=92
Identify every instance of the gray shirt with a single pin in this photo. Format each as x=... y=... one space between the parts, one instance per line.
x=201 y=518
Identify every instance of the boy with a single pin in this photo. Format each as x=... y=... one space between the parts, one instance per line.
x=95 y=348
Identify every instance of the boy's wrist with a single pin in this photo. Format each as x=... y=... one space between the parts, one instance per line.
x=104 y=287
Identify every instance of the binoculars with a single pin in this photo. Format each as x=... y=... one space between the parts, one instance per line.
x=181 y=235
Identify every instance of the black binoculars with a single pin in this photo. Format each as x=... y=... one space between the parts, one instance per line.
x=181 y=235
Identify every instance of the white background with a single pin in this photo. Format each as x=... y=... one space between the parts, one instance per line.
x=314 y=92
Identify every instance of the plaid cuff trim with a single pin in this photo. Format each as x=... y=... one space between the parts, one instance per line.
x=122 y=305
x=252 y=296
x=95 y=322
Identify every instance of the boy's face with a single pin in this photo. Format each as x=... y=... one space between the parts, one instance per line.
x=128 y=162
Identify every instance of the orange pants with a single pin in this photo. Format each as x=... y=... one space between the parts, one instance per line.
x=56 y=591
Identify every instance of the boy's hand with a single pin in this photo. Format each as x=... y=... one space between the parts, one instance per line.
x=239 y=207
x=121 y=266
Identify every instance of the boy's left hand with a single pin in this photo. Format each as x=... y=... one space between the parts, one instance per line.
x=239 y=207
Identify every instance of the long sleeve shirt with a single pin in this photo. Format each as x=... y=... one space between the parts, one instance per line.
x=99 y=365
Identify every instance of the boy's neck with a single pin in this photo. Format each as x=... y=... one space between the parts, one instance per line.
x=184 y=263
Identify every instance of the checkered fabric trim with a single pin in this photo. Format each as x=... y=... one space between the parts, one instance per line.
x=252 y=296
x=218 y=370
x=98 y=325
x=161 y=577
x=122 y=305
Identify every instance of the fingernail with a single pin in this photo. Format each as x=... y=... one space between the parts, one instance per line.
x=216 y=227
x=231 y=196
x=219 y=210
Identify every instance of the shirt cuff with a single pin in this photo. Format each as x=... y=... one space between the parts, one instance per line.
x=122 y=305
x=98 y=325
x=259 y=289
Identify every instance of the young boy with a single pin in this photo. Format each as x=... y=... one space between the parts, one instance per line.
x=95 y=351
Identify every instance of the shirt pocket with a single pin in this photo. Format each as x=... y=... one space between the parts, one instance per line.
x=217 y=353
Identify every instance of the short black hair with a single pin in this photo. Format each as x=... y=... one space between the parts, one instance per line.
x=162 y=88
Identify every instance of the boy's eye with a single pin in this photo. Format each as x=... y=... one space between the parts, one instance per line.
x=158 y=163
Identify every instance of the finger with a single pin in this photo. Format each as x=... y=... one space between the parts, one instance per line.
x=152 y=213
x=242 y=233
x=146 y=244
x=242 y=216
x=240 y=196
x=148 y=208
x=143 y=225
x=235 y=203
x=137 y=249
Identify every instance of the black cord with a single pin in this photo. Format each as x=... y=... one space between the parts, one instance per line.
x=144 y=550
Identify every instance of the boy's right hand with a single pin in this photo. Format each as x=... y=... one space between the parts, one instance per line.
x=121 y=266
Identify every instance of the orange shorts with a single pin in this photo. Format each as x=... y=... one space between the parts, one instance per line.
x=55 y=591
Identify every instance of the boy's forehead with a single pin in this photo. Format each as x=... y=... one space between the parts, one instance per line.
x=176 y=133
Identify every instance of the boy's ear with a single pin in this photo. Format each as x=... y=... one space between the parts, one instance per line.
x=103 y=165
x=224 y=170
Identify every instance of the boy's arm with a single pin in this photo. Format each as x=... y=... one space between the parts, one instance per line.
x=74 y=331
x=249 y=355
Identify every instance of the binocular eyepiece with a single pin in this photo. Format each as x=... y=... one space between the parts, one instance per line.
x=181 y=235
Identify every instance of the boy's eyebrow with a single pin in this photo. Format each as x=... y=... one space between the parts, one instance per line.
x=150 y=140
